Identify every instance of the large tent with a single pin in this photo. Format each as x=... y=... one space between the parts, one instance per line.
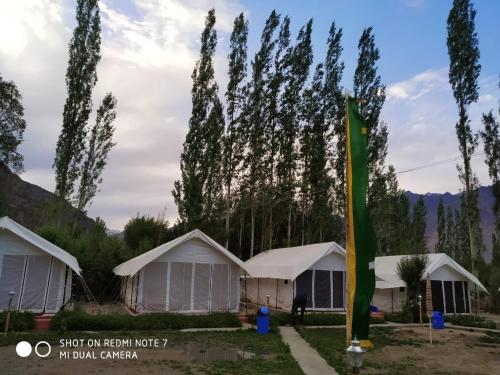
x=280 y=274
x=190 y=274
x=39 y=272
x=452 y=285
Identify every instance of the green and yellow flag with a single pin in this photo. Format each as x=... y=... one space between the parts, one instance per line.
x=361 y=242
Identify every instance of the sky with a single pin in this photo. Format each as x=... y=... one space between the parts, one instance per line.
x=149 y=48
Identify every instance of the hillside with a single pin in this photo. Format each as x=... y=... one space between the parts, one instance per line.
x=29 y=204
x=431 y=201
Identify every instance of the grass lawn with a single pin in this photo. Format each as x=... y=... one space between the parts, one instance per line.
x=407 y=351
x=186 y=353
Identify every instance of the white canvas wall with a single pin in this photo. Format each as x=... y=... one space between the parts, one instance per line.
x=193 y=277
x=41 y=282
x=389 y=300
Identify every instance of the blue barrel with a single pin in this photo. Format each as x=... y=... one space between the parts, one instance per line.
x=437 y=320
x=263 y=320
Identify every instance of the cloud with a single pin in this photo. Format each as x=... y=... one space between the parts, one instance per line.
x=149 y=48
x=421 y=114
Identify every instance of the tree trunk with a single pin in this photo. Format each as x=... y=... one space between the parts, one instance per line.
x=228 y=209
x=252 y=226
x=289 y=229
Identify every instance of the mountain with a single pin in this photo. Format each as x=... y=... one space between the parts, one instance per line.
x=431 y=201
x=30 y=205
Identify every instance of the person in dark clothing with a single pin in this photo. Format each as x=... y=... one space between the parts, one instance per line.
x=300 y=300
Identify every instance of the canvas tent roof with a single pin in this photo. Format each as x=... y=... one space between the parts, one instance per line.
x=387 y=274
x=130 y=267
x=33 y=238
x=288 y=263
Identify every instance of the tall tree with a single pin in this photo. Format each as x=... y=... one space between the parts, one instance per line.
x=271 y=131
x=96 y=158
x=491 y=141
x=12 y=125
x=81 y=77
x=316 y=180
x=451 y=228
x=371 y=94
x=189 y=192
x=463 y=51
x=418 y=226
x=441 y=228
x=335 y=114
x=235 y=96
x=261 y=66
x=297 y=72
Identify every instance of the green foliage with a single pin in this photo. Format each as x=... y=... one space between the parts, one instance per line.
x=143 y=233
x=12 y=125
x=470 y=321
x=96 y=252
x=81 y=321
x=411 y=270
x=463 y=50
x=418 y=225
x=198 y=192
x=19 y=321
x=81 y=77
x=99 y=146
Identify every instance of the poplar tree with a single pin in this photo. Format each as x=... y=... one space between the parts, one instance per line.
x=451 y=228
x=273 y=112
x=491 y=141
x=418 y=226
x=315 y=173
x=12 y=125
x=297 y=71
x=371 y=94
x=335 y=114
x=189 y=192
x=464 y=70
x=261 y=65
x=81 y=77
x=235 y=99
x=441 y=228
x=99 y=146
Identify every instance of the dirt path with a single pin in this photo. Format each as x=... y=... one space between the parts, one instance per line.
x=453 y=352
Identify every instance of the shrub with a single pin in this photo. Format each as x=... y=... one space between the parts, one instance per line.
x=81 y=321
x=470 y=321
x=19 y=321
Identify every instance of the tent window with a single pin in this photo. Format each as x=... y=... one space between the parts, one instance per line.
x=322 y=289
x=234 y=299
x=201 y=286
x=467 y=302
x=448 y=294
x=220 y=287
x=304 y=283
x=11 y=279
x=180 y=286
x=35 y=283
x=459 y=297
x=338 y=289
x=154 y=295
x=437 y=296
x=56 y=286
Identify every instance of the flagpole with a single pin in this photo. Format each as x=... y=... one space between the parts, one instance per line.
x=348 y=326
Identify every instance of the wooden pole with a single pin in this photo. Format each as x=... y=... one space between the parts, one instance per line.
x=348 y=325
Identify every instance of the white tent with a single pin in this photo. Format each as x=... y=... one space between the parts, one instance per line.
x=36 y=270
x=191 y=274
x=451 y=284
x=317 y=270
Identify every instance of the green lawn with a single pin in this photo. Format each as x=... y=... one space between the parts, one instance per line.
x=272 y=356
x=330 y=344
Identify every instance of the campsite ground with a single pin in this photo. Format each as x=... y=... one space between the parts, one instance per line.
x=238 y=352
x=406 y=351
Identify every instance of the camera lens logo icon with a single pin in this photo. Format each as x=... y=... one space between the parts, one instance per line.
x=24 y=349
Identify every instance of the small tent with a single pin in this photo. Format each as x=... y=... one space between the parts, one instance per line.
x=39 y=272
x=279 y=275
x=190 y=274
x=451 y=284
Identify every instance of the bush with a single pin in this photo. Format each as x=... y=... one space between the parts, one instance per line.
x=470 y=321
x=19 y=321
x=81 y=321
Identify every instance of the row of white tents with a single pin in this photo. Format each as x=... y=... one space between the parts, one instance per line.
x=195 y=274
